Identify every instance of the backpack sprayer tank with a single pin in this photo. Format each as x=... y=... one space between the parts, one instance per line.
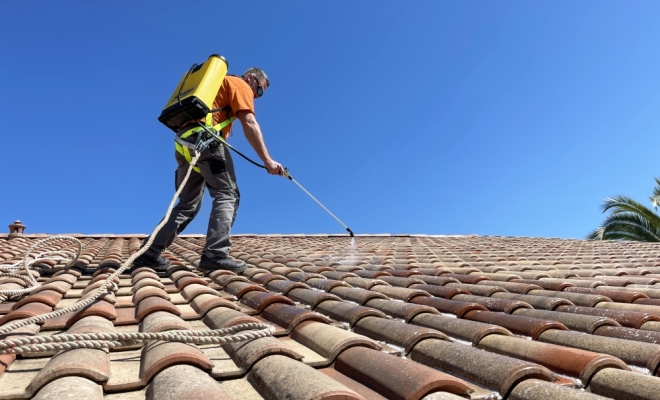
x=193 y=97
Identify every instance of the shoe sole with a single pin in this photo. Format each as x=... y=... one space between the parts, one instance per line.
x=216 y=268
x=157 y=269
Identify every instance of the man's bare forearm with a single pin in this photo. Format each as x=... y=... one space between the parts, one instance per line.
x=255 y=138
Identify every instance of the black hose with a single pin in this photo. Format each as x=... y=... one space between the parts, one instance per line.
x=243 y=155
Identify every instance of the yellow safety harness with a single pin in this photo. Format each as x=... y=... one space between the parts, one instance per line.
x=183 y=147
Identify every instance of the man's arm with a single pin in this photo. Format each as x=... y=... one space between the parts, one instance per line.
x=254 y=137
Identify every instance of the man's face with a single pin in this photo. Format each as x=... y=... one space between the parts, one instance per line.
x=258 y=87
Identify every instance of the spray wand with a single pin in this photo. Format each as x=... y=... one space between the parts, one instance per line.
x=286 y=174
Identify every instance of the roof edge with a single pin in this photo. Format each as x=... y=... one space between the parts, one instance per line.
x=199 y=235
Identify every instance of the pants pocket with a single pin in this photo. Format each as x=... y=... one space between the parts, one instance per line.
x=217 y=165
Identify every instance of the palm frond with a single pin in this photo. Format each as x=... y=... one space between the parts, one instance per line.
x=627 y=226
x=614 y=235
x=624 y=204
x=630 y=220
x=655 y=199
x=597 y=234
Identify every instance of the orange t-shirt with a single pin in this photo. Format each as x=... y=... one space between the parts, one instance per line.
x=235 y=93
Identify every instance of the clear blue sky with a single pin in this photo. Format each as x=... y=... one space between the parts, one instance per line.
x=480 y=117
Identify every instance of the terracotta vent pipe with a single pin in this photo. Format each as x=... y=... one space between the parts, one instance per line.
x=16 y=229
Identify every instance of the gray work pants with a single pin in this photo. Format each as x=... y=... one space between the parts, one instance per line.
x=217 y=173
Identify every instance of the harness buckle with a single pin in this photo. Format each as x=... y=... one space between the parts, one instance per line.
x=206 y=138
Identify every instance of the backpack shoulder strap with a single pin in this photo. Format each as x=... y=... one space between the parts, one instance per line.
x=215 y=110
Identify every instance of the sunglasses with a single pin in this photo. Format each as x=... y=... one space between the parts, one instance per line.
x=260 y=89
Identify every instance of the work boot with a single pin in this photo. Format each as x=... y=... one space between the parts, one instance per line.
x=221 y=263
x=158 y=264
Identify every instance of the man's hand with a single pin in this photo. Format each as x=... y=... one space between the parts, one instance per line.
x=273 y=167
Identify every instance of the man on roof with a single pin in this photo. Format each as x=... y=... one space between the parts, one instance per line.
x=216 y=171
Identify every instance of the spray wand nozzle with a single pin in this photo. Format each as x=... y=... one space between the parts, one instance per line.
x=350 y=232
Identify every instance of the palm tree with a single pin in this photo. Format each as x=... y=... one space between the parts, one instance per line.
x=630 y=220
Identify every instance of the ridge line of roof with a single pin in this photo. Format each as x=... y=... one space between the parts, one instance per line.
x=197 y=235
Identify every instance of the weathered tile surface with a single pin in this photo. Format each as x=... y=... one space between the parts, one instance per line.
x=388 y=317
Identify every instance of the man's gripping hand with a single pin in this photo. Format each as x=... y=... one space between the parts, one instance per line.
x=273 y=167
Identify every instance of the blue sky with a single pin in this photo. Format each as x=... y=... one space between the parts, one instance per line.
x=508 y=118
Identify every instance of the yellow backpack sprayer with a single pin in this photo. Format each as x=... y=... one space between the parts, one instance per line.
x=192 y=100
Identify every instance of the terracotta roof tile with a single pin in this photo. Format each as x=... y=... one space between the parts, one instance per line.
x=156 y=356
x=631 y=319
x=364 y=283
x=92 y=364
x=153 y=304
x=494 y=371
x=645 y=355
x=26 y=311
x=246 y=354
x=616 y=383
x=396 y=378
x=576 y=322
x=325 y=284
x=399 y=309
x=399 y=293
x=462 y=329
x=62 y=388
x=346 y=312
x=396 y=333
x=458 y=308
x=477 y=290
x=357 y=295
x=526 y=326
x=564 y=360
x=185 y=382
x=357 y=387
x=629 y=334
x=535 y=389
x=223 y=317
x=310 y=297
x=493 y=303
x=284 y=286
x=280 y=377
